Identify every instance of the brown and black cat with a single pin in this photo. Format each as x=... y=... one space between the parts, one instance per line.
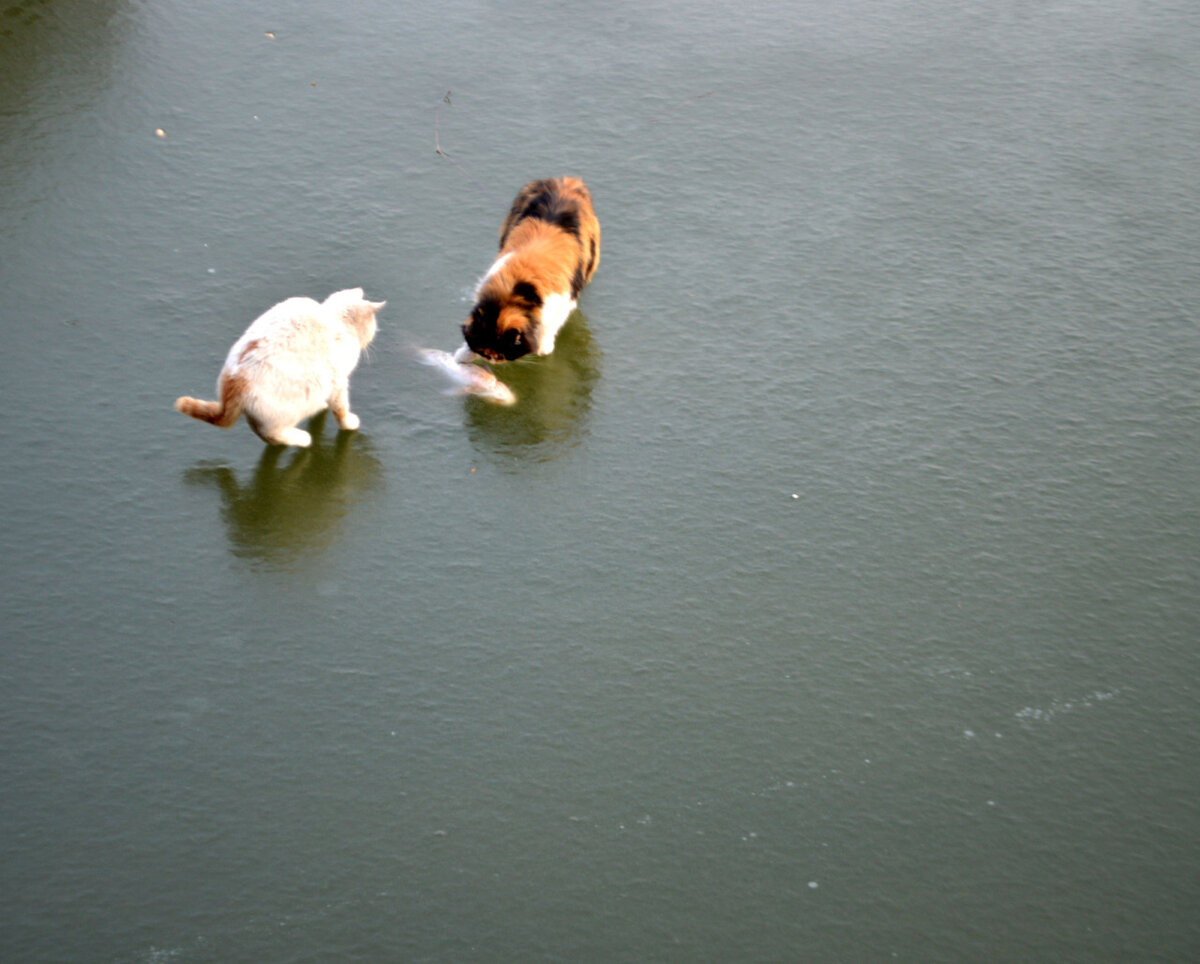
x=549 y=249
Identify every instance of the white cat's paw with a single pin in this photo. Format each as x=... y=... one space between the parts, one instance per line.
x=350 y=422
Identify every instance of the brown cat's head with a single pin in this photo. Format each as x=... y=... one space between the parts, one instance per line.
x=519 y=303
x=505 y=323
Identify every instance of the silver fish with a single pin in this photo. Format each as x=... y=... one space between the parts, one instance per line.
x=470 y=379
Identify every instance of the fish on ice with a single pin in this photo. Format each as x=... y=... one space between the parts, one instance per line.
x=469 y=379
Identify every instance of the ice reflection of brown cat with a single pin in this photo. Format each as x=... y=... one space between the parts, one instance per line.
x=293 y=507
x=554 y=399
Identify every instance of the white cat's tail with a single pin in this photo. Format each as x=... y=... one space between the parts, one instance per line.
x=222 y=414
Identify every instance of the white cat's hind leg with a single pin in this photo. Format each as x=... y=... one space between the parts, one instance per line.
x=291 y=436
x=276 y=434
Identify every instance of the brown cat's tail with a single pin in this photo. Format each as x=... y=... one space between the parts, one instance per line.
x=222 y=414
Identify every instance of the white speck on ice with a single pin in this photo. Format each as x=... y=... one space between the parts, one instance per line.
x=813 y=885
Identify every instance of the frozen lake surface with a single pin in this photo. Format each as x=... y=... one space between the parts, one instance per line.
x=831 y=593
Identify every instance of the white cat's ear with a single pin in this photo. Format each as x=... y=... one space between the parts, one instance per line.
x=376 y=305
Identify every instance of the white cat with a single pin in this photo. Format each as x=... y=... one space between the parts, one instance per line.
x=293 y=361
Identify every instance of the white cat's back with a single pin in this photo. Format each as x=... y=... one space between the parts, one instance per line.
x=294 y=327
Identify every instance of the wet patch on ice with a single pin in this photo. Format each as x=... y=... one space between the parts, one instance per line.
x=157 y=955
x=1032 y=715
